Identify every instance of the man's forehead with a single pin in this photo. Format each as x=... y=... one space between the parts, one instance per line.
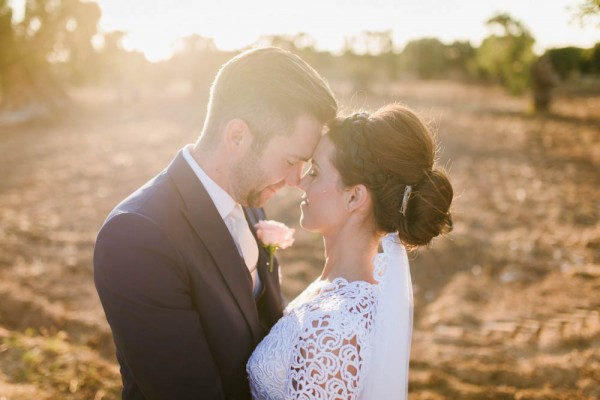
x=305 y=139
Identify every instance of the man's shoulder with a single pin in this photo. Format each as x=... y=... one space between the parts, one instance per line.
x=155 y=197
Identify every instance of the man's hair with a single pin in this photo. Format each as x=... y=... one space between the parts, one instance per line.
x=268 y=88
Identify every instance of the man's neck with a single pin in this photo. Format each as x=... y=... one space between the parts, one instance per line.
x=212 y=163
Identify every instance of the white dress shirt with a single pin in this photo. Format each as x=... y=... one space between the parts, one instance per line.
x=223 y=202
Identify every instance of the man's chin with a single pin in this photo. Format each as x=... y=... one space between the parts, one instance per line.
x=260 y=199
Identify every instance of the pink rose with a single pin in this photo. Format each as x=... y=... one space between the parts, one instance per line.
x=274 y=235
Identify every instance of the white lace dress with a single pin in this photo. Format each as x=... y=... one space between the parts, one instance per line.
x=321 y=347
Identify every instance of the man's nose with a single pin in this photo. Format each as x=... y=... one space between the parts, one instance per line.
x=295 y=175
x=303 y=183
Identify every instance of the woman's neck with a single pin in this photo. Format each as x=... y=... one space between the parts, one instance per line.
x=349 y=253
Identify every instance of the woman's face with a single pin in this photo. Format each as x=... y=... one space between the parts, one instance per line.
x=324 y=202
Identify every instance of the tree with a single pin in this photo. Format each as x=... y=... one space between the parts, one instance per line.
x=588 y=12
x=81 y=27
x=370 y=42
x=7 y=45
x=567 y=61
x=425 y=57
x=543 y=80
x=51 y=45
x=506 y=55
x=593 y=59
x=196 y=59
x=459 y=58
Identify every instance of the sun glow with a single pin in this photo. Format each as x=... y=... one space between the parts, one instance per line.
x=152 y=26
x=155 y=25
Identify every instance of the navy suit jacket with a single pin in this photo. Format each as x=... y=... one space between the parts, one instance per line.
x=177 y=294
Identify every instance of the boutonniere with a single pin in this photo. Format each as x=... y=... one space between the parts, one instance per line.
x=274 y=235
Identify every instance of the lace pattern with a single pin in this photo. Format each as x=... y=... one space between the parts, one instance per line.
x=320 y=349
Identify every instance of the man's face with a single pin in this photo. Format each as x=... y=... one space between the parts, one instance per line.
x=256 y=178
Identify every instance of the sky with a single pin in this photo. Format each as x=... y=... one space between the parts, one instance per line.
x=153 y=25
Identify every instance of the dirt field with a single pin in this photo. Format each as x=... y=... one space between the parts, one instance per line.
x=507 y=306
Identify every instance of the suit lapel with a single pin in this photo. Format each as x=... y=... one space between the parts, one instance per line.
x=203 y=216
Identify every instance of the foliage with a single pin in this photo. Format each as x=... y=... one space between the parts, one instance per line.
x=573 y=62
x=459 y=59
x=506 y=56
x=592 y=60
x=118 y=67
x=50 y=45
x=7 y=42
x=197 y=59
x=373 y=57
x=58 y=31
x=567 y=61
x=370 y=42
x=588 y=12
x=425 y=57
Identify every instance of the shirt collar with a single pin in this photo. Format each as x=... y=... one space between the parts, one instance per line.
x=223 y=201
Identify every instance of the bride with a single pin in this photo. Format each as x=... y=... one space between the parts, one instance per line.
x=372 y=182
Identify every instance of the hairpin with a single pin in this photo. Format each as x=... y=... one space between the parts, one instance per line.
x=407 y=192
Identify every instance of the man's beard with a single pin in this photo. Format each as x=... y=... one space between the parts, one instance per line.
x=246 y=181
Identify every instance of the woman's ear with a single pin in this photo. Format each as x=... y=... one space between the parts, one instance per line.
x=238 y=136
x=358 y=197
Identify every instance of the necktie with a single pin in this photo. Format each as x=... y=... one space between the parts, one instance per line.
x=244 y=240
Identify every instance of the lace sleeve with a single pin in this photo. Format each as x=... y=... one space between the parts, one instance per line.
x=330 y=355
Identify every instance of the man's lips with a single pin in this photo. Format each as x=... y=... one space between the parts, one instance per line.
x=274 y=188
x=271 y=190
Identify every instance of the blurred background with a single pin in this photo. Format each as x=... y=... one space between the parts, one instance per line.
x=97 y=97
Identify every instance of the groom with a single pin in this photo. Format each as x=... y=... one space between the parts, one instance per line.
x=185 y=287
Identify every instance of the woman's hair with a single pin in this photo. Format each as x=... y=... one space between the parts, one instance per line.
x=268 y=88
x=387 y=151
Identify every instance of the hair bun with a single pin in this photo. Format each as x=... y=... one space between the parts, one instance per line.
x=427 y=212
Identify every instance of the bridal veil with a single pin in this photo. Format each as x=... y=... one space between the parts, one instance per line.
x=387 y=376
